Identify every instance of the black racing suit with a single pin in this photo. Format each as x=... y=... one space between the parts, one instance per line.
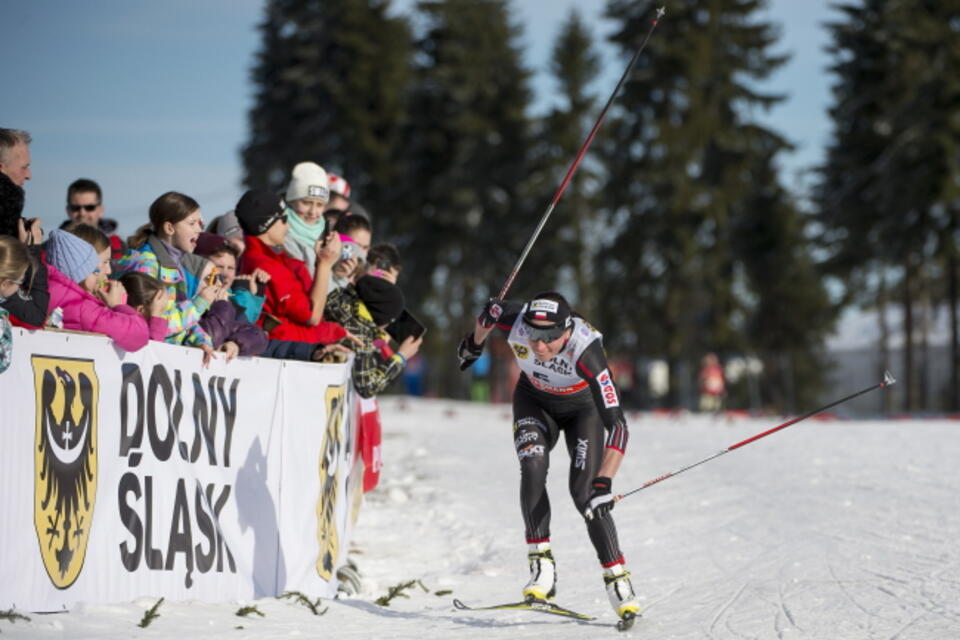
x=541 y=412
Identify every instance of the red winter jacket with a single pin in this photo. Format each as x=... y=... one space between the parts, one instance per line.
x=288 y=299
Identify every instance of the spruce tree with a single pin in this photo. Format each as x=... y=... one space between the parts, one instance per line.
x=689 y=172
x=889 y=190
x=466 y=159
x=332 y=81
x=568 y=245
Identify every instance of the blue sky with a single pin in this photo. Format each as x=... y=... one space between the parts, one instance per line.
x=151 y=97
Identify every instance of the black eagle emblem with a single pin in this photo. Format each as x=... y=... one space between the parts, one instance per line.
x=66 y=447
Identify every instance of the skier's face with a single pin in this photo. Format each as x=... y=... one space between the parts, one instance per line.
x=548 y=350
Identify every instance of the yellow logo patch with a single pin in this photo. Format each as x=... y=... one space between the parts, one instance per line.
x=521 y=351
x=65 y=486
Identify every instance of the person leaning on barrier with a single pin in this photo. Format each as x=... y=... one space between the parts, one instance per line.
x=295 y=297
x=14 y=261
x=163 y=249
x=85 y=299
x=365 y=309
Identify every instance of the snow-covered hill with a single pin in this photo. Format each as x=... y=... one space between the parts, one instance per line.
x=835 y=530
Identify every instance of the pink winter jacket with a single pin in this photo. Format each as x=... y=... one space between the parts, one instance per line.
x=84 y=312
x=158 y=328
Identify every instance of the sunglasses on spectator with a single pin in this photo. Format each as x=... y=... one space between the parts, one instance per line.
x=279 y=216
x=86 y=207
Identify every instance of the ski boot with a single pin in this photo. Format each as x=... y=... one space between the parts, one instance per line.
x=622 y=598
x=543 y=573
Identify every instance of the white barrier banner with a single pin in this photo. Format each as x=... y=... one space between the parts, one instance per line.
x=145 y=474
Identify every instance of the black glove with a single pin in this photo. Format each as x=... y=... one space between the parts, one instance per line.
x=601 y=500
x=468 y=352
x=491 y=313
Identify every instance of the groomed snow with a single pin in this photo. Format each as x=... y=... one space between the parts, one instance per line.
x=837 y=530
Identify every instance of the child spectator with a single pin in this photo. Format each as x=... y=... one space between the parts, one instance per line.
x=246 y=291
x=14 y=261
x=348 y=267
x=163 y=249
x=383 y=261
x=230 y=331
x=87 y=302
x=365 y=309
x=295 y=301
x=225 y=321
x=245 y=294
x=100 y=242
x=228 y=227
x=148 y=296
x=307 y=196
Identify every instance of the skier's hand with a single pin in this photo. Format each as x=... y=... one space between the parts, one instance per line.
x=468 y=352
x=601 y=499
x=491 y=313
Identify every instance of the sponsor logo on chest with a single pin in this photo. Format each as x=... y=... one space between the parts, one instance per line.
x=560 y=366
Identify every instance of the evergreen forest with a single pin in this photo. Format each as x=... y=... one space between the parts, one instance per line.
x=677 y=236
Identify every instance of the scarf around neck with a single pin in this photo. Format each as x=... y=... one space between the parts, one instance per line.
x=306 y=234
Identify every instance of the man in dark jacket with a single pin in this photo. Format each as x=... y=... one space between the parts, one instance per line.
x=85 y=204
x=28 y=308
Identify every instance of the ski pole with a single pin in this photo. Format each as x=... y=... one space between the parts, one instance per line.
x=888 y=380
x=576 y=161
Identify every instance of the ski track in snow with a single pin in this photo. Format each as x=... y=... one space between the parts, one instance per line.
x=834 y=530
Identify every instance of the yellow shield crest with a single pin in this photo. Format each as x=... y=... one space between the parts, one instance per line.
x=330 y=453
x=65 y=485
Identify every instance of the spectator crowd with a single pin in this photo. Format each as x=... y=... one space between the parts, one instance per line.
x=293 y=275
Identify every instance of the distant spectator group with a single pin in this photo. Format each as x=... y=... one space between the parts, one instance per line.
x=284 y=276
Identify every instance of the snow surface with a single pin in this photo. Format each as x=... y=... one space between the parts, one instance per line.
x=835 y=530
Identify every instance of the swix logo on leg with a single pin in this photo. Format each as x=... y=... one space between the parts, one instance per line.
x=607 y=390
x=530 y=450
x=580 y=462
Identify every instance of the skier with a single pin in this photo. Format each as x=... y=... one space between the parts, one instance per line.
x=565 y=385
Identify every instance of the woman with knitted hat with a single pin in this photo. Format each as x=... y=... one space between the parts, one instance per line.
x=307 y=196
x=85 y=302
x=295 y=297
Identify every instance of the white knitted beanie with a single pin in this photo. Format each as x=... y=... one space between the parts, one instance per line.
x=309 y=180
